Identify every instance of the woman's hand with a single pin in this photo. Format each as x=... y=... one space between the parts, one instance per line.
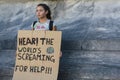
x=60 y=54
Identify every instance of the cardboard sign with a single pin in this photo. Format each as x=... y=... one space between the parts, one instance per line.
x=37 y=56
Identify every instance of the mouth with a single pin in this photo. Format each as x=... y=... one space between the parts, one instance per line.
x=38 y=15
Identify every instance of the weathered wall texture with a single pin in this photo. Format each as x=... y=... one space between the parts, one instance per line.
x=91 y=36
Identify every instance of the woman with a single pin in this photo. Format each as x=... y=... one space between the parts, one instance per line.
x=44 y=19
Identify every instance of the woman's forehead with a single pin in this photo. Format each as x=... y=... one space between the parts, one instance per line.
x=39 y=7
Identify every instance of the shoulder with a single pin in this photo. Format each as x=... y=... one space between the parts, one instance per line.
x=52 y=22
x=54 y=26
x=34 y=23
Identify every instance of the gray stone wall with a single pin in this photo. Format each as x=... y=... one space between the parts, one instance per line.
x=90 y=39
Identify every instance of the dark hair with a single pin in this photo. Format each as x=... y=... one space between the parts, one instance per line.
x=46 y=7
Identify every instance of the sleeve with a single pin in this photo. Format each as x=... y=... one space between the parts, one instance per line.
x=32 y=25
x=54 y=23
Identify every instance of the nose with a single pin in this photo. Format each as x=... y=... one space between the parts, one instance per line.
x=38 y=12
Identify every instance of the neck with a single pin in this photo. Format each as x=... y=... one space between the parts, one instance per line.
x=42 y=20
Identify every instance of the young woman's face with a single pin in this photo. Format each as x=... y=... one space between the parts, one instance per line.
x=40 y=12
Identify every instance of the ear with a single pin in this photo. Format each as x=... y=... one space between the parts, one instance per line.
x=46 y=12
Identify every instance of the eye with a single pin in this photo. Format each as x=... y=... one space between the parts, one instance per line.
x=36 y=10
x=39 y=10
